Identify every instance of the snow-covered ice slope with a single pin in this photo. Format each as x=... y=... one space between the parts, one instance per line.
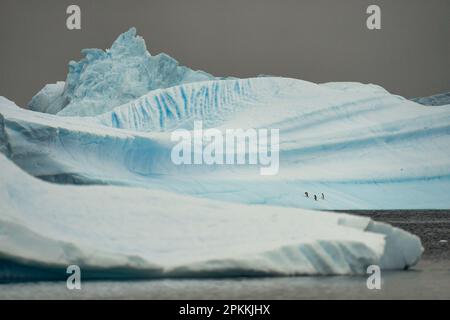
x=152 y=233
x=361 y=146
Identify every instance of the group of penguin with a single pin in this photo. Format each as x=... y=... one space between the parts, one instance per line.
x=315 y=196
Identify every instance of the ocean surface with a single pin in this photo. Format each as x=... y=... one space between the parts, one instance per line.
x=428 y=280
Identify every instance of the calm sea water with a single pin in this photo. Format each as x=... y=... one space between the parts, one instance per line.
x=428 y=280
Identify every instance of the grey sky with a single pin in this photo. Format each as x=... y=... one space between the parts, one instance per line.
x=315 y=40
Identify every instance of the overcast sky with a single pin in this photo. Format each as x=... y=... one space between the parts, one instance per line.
x=315 y=40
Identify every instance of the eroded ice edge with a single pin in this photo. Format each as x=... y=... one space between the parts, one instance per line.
x=358 y=144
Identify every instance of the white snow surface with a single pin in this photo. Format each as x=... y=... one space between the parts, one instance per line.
x=153 y=233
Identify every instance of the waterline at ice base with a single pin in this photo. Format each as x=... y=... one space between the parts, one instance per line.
x=87 y=175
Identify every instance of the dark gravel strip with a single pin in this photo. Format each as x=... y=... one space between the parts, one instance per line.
x=432 y=226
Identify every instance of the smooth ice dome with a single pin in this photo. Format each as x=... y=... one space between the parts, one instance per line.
x=361 y=146
x=106 y=79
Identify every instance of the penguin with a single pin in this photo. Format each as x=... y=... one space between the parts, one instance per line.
x=306 y=194
x=315 y=197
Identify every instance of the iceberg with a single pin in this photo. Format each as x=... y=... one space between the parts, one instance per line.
x=434 y=100
x=359 y=145
x=110 y=198
x=106 y=79
x=49 y=99
x=112 y=232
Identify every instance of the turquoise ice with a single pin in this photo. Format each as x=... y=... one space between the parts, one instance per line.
x=105 y=79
